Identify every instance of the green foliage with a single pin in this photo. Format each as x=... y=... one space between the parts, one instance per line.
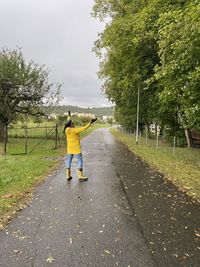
x=179 y=71
x=129 y=61
x=61 y=119
x=24 y=88
x=155 y=45
x=110 y=121
x=38 y=120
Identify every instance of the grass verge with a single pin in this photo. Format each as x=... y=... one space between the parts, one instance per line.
x=183 y=169
x=21 y=173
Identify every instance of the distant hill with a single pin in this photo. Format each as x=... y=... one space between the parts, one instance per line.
x=104 y=111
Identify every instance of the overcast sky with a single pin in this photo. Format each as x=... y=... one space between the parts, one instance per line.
x=59 y=34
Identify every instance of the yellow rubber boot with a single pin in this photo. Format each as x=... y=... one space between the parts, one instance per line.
x=68 y=174
x=81 y=176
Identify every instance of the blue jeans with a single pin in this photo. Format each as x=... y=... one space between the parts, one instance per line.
x=69 y=158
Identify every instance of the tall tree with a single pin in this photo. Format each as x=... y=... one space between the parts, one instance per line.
x=131 y=54
x=178 y=73
x=145 y=41
x=24 y=88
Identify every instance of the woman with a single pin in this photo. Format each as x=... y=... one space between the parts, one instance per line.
x=74 y=147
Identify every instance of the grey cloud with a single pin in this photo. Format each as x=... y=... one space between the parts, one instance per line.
x=59 y=34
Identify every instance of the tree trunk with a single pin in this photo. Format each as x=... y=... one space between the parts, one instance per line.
x=188 y=136
x=1 y=133
x=4 y=137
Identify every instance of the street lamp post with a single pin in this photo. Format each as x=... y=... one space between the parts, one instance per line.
x=138 y=109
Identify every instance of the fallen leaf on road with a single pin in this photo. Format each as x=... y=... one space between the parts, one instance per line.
x=7 y=196
x=16 y=251
x=22 y=237
x=50 y=259
x=187 y=187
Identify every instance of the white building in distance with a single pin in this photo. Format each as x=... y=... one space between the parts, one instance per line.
x=85 y=115
x=107 y=118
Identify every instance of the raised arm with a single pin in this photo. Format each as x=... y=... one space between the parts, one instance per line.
x=81 y=129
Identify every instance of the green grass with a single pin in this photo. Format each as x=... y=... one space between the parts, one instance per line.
x=36 y=132
x=183 y=168
x=21 y=173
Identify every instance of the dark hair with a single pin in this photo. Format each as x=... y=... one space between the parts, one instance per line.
x=67 y=124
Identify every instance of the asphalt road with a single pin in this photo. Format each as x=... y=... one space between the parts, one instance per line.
x=124 y=215
x=78 y=223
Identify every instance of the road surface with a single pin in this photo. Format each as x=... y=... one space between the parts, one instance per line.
x=106 y=221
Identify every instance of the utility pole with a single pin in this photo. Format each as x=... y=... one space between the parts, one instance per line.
x=138 y=109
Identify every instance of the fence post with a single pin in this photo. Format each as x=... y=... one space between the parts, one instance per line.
x=56 y=136
x=26 y=138
x=46 y=130
x=5 y=139
x=174 y=146
x=146 y=135
x=157 y=140
x=59 y=142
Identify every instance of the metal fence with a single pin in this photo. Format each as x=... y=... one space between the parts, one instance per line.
x=152 y=140
x=31 y=138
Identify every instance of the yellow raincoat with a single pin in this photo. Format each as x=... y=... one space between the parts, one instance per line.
x=73 y=139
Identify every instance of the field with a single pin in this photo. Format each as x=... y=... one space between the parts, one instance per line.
x=20 y=173
x=181 y=167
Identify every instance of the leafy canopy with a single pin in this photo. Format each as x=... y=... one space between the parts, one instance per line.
x=24 y=88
